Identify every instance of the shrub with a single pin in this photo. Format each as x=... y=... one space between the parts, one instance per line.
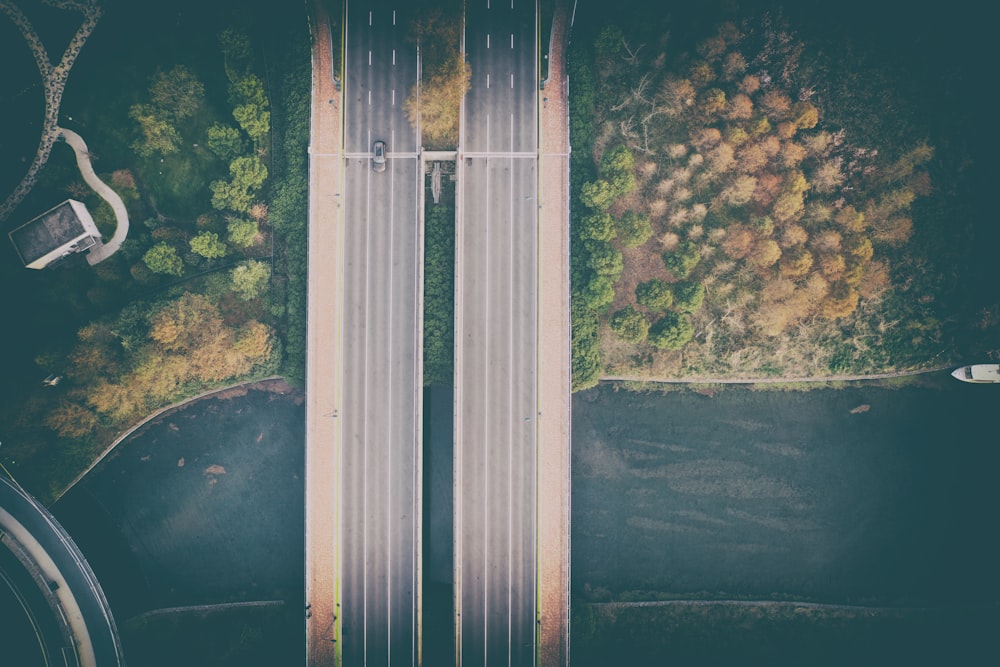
x=671 y=332
x=688 y=296
x=250 y=279
x=225 y=141
x=682 y=259
x=598 y=226
x=654 y=294
x=208 y=245
x=630 y=325
x=634 y=229
x=242 y=232
x=163 y=258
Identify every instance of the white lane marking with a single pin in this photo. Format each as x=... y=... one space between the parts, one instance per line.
x=487 y=80
x=394 y=17
x=393 y=97
x=416 y=453
x=369 y=18
x=369 y=57
x=388 y=507
x=364 y=432
x=394 y=56
x=512 y=40
x=486 y=412
x=369 y=102
x=510 y=401
x=487 y=40
x=517 y=154
x=511 y=79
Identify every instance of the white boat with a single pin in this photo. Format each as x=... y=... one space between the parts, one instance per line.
x=978 y=373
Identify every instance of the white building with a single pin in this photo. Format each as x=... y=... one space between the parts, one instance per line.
x=64 y=229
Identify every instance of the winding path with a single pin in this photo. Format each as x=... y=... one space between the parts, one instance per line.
x=101 y=251
x=53 y=83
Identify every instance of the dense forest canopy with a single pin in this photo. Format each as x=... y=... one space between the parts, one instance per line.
x=731 y=219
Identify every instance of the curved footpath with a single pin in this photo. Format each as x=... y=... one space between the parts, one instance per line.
x=101 y=251
x=53 y=82
x=57 y=565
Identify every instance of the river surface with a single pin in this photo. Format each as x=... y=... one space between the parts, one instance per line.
x=861 y=495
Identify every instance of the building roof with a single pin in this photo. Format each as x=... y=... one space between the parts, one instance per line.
x=63 y=229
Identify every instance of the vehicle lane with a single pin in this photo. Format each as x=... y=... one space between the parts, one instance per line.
x=382 y=339
x=496 y=358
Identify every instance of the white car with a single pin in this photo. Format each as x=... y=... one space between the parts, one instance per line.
x=378 y=161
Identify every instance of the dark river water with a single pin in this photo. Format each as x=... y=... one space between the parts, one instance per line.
x=861 y=495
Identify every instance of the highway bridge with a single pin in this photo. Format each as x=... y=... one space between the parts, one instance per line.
x=364 y=449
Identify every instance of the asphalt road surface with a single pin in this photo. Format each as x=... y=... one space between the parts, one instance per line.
x=84 y=611
x=382 y=339
x=495 y=337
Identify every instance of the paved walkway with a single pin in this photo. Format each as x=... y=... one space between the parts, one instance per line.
x=773 y=380
x=101 y=251
x=323 y=369
x=53 y=83
x=554 y=370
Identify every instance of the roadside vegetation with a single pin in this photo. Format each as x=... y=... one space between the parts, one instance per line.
x=738 y=213
x=439 y=287
x=435 y=101
x=209 y=288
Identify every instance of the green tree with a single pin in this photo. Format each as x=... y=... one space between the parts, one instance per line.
x=654 y=294
x=158 y=135
x=235 y=46
x=178 y=92
x=586 y=350
x=606 y=260
x=634 y=229
x=599 y=292
x=672 y=331
x=254 y=119
x=163 y=258
x=617 y=167
x=598 y=195
x=249 y=89
x=248 y=172
x=598 y=226
x=250 y=279
x=242 y=232
x=225 y=141
x=616 y=161
x=630 y=325
x=208 y=245
x=688 y=296
x=682 y=259
x=231 y=196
